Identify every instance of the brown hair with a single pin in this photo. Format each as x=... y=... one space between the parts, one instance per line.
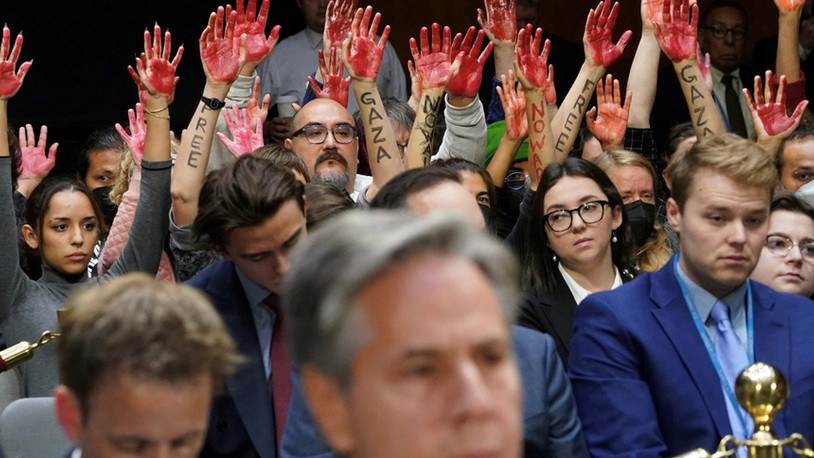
x=734 y=157
x=283 y=157
x=243 y=194
x=143 y=328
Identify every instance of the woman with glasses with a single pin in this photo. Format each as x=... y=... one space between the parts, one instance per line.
x=579 y=243
x=787 y=260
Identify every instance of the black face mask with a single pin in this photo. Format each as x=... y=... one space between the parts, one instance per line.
x=642 y=217
x=102 y=196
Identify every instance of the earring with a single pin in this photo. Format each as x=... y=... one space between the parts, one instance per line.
x=554 y=258
x=613 y=237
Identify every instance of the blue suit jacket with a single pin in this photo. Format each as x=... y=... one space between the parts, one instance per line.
x=242 y=420
x=643 y=380
x=550 y=424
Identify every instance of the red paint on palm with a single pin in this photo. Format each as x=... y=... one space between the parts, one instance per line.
x=222 y=52
x=598 y=37
x=35 y=163
x=258 y=46
x=771 y=109
x=514 y=108
x=499 y=21
x=258 y=112
x=611 y=116
x=550 y=93
x=338 y=21
x=334 y=87
x=787 y=6
x=11 y=80
x=467 y=83
x=677 y=31
x=245 y=139
x=433 y=63
x=138 y=132
x=532 y=63
x=361 y=54
x=157 y=72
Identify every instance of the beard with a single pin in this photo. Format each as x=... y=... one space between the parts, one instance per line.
x=332 y=177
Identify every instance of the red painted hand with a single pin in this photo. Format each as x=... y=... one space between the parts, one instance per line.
x=550 y=93
x=598 y=37
x=11 y=80
x=499 y=22
x=155 y=71
x=258 y=112
x=467 y=83
x=415 y=84
x=651 y=13
x=338 y=23
x=35 y=163
x=258 y=46
x=788 y=6
x=222 y=54
x=531 y=64
x=677 y=29
x=138 y=131
x=611 y=117
x=514 y=108
x=770 y=117
x=435 y=65
x=703 y=66
x=360 y=53
x=246 y=138
x=335 y=87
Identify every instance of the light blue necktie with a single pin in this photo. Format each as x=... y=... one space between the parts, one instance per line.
x=732 y=357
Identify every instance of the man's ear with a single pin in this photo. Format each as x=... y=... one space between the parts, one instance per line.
x=69 y=413
x=674 y=215
x=329 y=406
x=30 y=236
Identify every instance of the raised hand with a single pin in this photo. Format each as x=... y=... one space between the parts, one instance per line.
x=598 y=37
x=155 y=71
x=677 y=29
x=434 y=64
x=788 y=6
x=514 y=107
x=246 y=138
x=35 y=163
x=531 y=64
x=415 y=86
x=134 y=139
x=770 y=117
x=258 y=112
x=10 y=78
x=467 y=83
x=258 y=46
x=360 y=53
x=611 y=116
x=222 y=54
x=338 y=22
x=335 y=87
x=703 y=64
x=499 y=22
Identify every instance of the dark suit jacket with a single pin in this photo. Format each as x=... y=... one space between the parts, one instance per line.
x=644 y=383
x=241 y=423
x=550 y=424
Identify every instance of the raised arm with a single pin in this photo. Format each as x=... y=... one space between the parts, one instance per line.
x=644 y=70
x=533 y=72
x=788 y=38
x=500 y=25
x=607 y=121
x=768 y=111
x=676 y=33
x=600 y=53
x=435 y=68
x=12 y=278
x=517 y=128
x=362 y=57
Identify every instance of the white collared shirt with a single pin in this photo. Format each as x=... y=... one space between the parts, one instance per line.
x=719 y=90
x=578 y=291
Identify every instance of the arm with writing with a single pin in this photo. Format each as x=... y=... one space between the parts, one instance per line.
x=533 y=72
x=435 y=69
x=517 y=128
x=362 y=57
x=768 y=110
x=222 y=57
x=600 y=53
x=676 y=33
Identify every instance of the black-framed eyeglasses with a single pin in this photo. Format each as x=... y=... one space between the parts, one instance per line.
x=317 y=133
x=719 y=31
x=780 y=246
x=590 y=212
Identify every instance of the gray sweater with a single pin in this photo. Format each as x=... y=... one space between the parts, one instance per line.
x=27 y=307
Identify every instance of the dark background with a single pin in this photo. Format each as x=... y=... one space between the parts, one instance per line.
x=81 y=50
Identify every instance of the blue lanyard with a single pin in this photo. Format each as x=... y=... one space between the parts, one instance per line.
x=722 y=111
x=750 y=337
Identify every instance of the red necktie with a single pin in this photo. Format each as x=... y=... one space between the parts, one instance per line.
x=280 y=360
